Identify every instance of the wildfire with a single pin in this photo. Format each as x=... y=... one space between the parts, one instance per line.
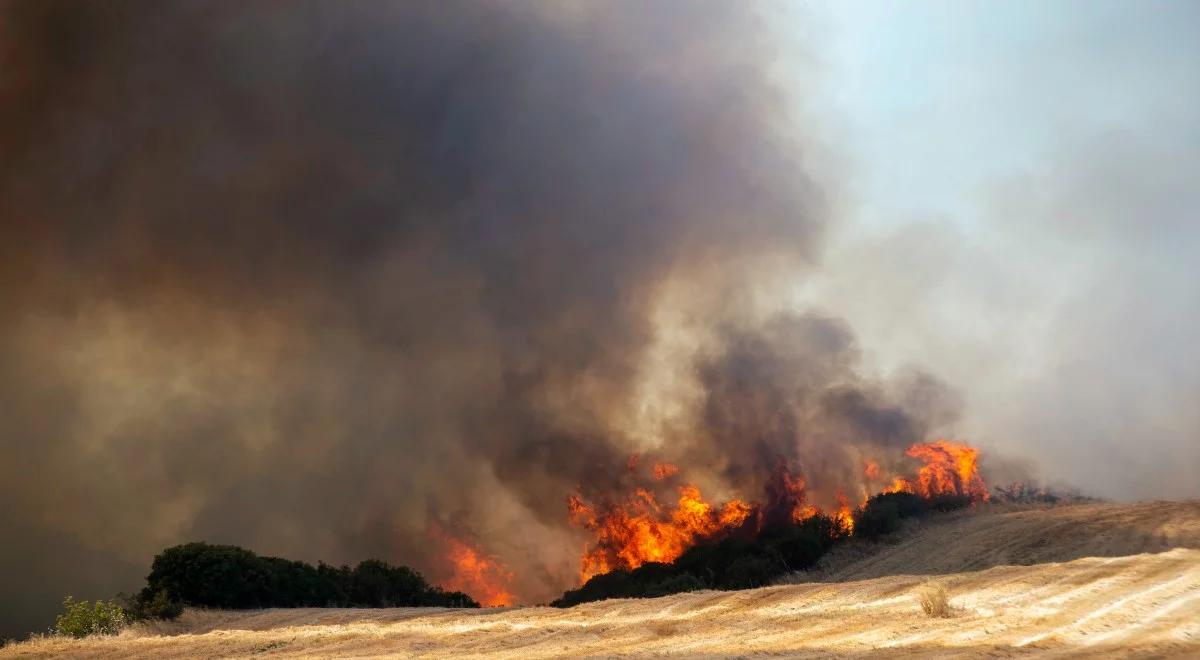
x=950 y=468
x=473 y=572
x=640 y=530
x=786 y=497
x=845 y=513
x=636 y=530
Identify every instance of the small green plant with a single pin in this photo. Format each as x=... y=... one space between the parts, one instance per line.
x=935 y=602
x=83 y=618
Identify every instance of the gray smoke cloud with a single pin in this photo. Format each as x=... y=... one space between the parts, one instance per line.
x=1024 y=225
x=310 y=277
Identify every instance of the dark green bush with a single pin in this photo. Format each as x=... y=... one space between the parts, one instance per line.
x=876 y=519
x=674 y=585
x=653 y=578
x=151 y=605
x=949 y=502
x=229 y=577
x=800 y=546
x=83 y=618
x=751 y=571
x=883 y=513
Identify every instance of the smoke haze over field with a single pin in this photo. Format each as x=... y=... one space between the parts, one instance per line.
x=1018 y=215
x=312 y=277
x=307 y=278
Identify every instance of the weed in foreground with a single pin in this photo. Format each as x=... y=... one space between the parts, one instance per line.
x=935 y=602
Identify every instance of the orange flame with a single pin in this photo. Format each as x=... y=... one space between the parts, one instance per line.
x=803 y=511
x=900 y=485
x=639 y=530
x=664 y=470
x=845 y=513
x=473 y=572
x=871 y=471
x=950 y=468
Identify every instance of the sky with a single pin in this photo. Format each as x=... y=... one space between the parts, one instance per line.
x=318 y=278
x=1022 y=217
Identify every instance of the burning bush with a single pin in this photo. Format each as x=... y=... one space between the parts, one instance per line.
x=642 y=527
x=639 y=542
x=730 y=563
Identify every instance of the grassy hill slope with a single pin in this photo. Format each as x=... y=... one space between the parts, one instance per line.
x=1126 y=581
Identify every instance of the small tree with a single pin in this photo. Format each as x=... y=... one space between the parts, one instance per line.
x=82 y=618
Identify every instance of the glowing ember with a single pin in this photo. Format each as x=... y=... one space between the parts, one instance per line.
x=473 y=572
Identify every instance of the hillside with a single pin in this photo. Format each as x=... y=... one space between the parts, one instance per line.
x=1124 y=579
x=1000 y=535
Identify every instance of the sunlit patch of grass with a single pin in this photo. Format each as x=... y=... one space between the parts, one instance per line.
x=934 y=600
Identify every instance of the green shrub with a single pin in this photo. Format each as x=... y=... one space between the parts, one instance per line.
x=229 y=577
x=949 y=502
x=675 y=585
x=883 y=513
x=83 y=618
x=751 y=571
x=876 y=519
x=800 y=546
x=149 y=605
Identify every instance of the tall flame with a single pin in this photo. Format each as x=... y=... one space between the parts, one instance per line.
x=472 y=571
x=845 y=513
x=951 y=468
x=637 y=529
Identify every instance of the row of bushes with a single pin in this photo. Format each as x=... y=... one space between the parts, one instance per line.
x=229 y=577
x=735 y=563
x=884 y=513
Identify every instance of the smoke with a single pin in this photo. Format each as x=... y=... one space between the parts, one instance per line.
x=310 y=278
x=1030 y=235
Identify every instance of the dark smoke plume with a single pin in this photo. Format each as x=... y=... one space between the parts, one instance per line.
x=308 y=277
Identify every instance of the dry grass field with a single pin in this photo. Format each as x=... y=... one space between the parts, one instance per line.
x=1091 y=580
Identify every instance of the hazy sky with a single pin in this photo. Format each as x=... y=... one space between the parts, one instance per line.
x=1019 y=190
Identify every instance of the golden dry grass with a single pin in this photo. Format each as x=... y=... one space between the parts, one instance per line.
x=1128 y=606
x=934 y=600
